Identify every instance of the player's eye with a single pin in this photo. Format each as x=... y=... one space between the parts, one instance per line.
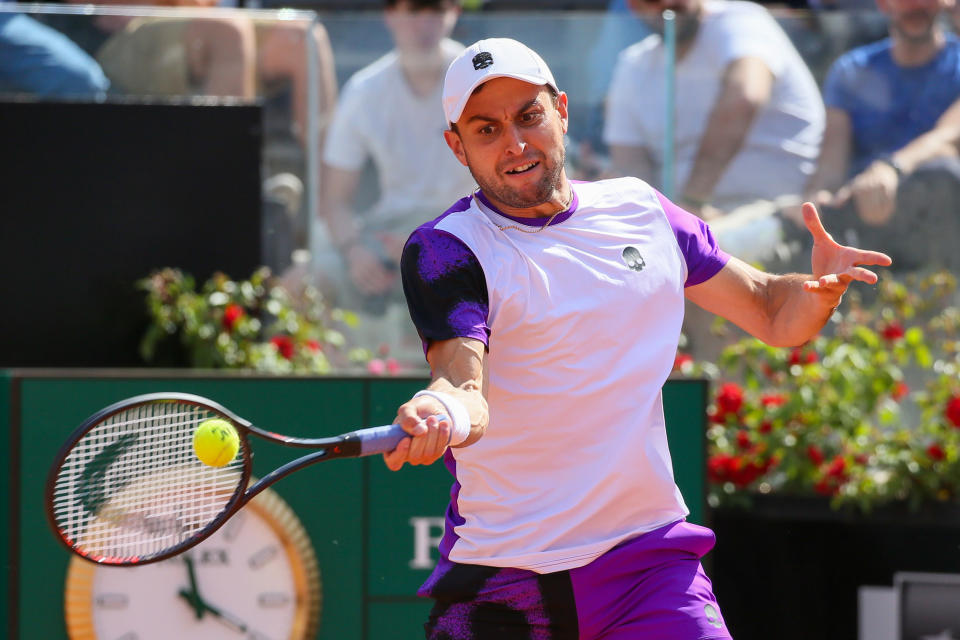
x=530 y=117
x=486 y=130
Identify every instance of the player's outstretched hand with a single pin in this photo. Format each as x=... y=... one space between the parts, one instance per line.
x=834 y=265
x=429 y=435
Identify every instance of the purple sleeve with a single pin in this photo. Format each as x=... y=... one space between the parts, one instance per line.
x=445 y=287
x=699 y=248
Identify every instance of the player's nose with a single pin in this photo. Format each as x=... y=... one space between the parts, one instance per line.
x=515 y=143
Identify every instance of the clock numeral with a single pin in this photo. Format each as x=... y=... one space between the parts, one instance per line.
x=262 y=557
x=214 y=557
x=273 y=599
x=112 y=601
x=232 y=529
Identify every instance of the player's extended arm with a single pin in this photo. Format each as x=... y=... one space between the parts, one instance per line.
x=746 y=89
x=458 y=372
x=788 y=310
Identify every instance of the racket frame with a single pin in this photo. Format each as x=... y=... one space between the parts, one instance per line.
x=347 y=445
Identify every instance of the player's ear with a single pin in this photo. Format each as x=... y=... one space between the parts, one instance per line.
x=562 y=110
x=456 y=145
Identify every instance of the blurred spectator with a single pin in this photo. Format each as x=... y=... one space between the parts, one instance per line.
x=41 y=61
x=389 y=112
x=222 y=52
x=173 y=56
x=749 y=118
x=889 y=168
x=619 y=27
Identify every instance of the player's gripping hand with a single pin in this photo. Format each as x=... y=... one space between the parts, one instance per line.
x=429 y=435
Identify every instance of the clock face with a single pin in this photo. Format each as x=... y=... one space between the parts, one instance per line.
x=252 y=579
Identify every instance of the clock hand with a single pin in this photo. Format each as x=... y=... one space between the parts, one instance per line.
x=228 y=619
x=195 y=603
x=201 y=607
x=193 y=595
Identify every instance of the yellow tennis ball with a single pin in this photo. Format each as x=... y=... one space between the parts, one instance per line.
x=216 y=442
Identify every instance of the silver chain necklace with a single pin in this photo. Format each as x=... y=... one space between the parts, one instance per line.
x=538 y=229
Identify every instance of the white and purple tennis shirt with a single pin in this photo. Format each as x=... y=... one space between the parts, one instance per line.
x=581 y=320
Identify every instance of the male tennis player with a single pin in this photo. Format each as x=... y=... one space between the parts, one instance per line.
x=551 y=313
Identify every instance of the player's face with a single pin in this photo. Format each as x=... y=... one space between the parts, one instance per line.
x=510 y=136
x=914 y=20
x=421 y=29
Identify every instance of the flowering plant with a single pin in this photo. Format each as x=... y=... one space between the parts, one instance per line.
x=838 y=416
x=250 y=324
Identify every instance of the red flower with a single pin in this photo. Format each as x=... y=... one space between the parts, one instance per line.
x=393 y=367
x=798 y=355
x=681 y=359
x=892 y=331
x=815 y=454
x=837 y=468
x=746 y=473
x=284 y=345
x=231 y=314
x=743 y=439
x=773 y=399
x=313 y=345
x=826 y=487
x=952 y=412
x=716 y=417
x=766 y=426
x=900 y=390
x=717 y=467
x=730 y=398
x=724 y=467
x=936 y=452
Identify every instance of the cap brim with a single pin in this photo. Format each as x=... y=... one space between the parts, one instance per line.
x=454 y=116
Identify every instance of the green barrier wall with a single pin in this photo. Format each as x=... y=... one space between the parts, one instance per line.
x=374 y=551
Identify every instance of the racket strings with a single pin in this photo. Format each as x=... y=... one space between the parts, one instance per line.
x=132 y=486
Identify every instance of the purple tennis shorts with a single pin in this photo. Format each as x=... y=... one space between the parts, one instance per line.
x=651 y=587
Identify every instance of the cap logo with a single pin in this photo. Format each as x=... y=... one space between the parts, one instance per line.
x=482 y=60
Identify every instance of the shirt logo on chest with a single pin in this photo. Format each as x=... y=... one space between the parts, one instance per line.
x=632 y=258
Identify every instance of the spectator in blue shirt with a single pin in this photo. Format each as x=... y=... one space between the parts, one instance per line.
x=889 y=163
x=37 y=60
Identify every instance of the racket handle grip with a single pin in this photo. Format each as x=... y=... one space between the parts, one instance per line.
x=382 y=439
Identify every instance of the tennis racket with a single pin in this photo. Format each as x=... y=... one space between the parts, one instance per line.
x=127 y=489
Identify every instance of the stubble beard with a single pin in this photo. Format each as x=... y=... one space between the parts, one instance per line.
x=545 y=188
x=926 y=36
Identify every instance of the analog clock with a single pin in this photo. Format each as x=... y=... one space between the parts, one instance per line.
x=256 y=578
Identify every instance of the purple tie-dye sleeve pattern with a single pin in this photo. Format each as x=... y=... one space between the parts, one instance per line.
x=700 y=250
x=445 y=287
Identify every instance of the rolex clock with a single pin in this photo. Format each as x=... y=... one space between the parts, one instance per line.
x=256 y=578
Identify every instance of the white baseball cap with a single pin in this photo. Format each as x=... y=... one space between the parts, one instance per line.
x=488 y=59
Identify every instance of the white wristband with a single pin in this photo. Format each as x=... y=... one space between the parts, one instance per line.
x=459 y=417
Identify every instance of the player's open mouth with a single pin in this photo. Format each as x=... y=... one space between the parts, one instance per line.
x=523 y=168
